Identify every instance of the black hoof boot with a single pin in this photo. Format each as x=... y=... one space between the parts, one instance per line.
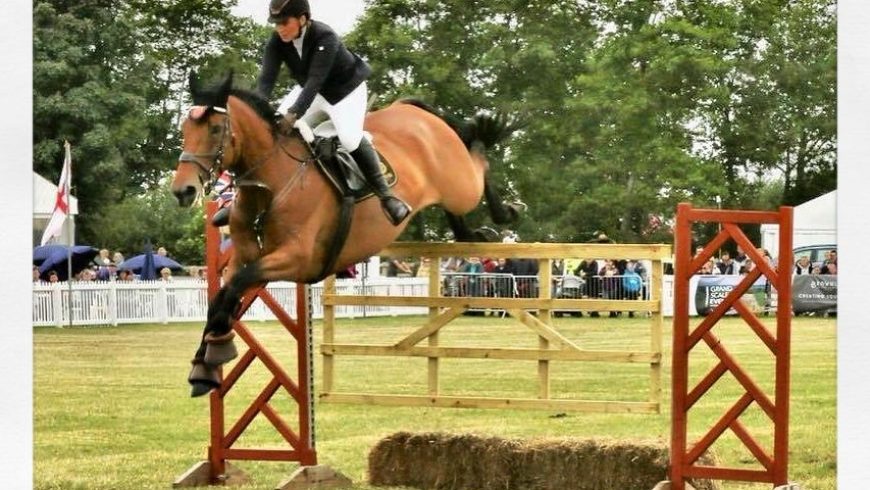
x=395 y=209
x=221 y=217
x=220 y=349
x=202 y=379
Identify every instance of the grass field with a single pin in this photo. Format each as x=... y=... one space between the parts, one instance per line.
x=112 y=408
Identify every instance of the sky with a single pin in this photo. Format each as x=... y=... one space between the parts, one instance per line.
x=338 y=14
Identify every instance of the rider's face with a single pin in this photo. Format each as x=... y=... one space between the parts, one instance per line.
x=288 y=29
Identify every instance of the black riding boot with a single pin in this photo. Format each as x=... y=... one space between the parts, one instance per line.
x=367 y=159
x=221 y=217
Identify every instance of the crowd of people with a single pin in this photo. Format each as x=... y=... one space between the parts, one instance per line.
x=741 y=265
x=108 y=266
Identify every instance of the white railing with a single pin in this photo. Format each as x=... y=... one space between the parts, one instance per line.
x=115 y=302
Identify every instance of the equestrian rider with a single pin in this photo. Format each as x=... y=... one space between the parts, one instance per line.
x=332 y=81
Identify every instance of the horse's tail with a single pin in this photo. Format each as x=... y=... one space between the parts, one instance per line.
x=480 y=132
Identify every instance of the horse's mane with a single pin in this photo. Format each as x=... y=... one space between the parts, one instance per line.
x=261 y=106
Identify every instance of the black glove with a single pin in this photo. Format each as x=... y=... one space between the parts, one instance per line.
x=285 y=125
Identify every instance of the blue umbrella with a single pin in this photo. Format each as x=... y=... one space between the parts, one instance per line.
x=40 y=254
x=82 y=256
x=140 y=264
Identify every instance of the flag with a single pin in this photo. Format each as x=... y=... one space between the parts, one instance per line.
x=61 y=202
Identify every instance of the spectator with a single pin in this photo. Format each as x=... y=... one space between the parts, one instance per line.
x=473 y=284
x=35 y=274
x=103 y=259
x=830 y=269
x=740 y=257
x=708 y=268
x=399 y=268
x=161 y=251
x=118 y=258
x=830 y=259
x=610 y=282
x=107 y=272
x=424 y=267
x=726 y=265
x=125 y=275
x=803 y=266
x=698 y=251
x=52 y=276
x=166 y=274
x=743 y=270
x=200 y=273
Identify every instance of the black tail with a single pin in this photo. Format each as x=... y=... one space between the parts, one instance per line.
x=482 y=129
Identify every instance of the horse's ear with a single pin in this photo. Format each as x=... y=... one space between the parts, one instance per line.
x=226 y=85
x=193 y=81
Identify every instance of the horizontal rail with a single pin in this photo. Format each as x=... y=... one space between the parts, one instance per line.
x=483 y=402
x=731 y=216
x=656 y=251
x=493 y=303
x=491 y=353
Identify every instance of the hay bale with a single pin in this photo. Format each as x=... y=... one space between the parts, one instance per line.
x=440 y=461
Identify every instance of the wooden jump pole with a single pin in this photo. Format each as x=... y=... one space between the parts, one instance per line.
x=683 y=455
x=300 y=443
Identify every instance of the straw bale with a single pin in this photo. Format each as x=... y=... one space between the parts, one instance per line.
x=442 y=461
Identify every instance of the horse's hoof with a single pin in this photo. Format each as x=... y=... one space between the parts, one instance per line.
x=486 y=234
x=516 y=209
x=220 y=349
x=202 y=379
x=198 y=389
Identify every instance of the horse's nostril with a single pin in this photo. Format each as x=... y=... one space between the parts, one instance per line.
x=190 y=190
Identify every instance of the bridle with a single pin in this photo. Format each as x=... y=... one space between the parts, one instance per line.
x=212 y=172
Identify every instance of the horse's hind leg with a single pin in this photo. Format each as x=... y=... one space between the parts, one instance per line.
x=463 y=233
x=500 y=212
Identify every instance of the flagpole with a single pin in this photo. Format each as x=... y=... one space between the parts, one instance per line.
x=69 y=232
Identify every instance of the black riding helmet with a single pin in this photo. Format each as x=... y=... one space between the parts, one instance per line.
x=281 y=9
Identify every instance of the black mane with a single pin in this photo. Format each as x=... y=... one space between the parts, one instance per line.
x=216 y=95
x=257 y=102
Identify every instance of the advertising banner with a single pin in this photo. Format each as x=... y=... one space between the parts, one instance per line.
x=712 y=290
x=814 y=293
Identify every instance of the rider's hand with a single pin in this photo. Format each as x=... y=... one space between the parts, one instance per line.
x=285 y=125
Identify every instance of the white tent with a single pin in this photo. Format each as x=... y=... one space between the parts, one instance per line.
x=44 y=196
x=815 y=223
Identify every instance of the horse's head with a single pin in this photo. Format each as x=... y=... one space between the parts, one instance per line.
x=206 y=148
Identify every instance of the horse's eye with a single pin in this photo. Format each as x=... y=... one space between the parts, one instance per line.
x=215 y=130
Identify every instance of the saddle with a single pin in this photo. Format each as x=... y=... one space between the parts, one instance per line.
x=339 y=166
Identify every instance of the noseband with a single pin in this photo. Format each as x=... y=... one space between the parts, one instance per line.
x=212 y=172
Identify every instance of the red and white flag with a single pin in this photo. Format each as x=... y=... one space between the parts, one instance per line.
x=61 y=202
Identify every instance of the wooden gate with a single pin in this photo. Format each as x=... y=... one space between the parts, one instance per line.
x=553 y=346
x=684 y=457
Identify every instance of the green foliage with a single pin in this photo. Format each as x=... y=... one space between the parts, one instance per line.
x=630 y=107
x=156 y=216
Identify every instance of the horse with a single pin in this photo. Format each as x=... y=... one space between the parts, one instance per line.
x=286 y=215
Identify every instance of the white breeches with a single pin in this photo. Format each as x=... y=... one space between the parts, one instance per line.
x=347 y=115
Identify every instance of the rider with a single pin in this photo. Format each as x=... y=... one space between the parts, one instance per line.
x=332 y=80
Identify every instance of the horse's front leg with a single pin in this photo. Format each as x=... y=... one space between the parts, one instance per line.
x=216 y=345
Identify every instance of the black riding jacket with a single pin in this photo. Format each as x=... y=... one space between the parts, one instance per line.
x=327 y=67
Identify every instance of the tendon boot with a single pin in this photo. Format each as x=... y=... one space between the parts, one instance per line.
x=367 y=159
x=219 y=349
x=202 y=378
x=221 y=216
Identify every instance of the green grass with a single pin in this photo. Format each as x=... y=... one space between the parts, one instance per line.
x=112 y=409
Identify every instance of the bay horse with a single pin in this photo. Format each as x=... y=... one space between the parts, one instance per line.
x=286 y=215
